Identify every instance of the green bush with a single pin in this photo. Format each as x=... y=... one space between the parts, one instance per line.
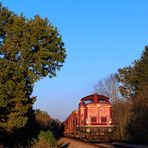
x=45 y=140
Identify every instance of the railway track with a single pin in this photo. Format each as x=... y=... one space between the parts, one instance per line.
x=118 y=145
x=76 y=143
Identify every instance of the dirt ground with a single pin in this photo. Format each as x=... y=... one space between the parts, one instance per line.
x=70 y=143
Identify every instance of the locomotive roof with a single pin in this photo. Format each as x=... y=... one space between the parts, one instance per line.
x=100 y=96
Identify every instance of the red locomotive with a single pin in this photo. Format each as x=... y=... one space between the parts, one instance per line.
x=92 y=120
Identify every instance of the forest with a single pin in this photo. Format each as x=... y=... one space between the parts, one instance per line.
x=127 y=90
x=31 y=49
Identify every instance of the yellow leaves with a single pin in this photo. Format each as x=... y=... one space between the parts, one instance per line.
x=42 y=118
x=17 y=122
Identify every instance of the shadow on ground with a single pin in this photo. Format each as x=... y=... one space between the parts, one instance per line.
x=63 y=145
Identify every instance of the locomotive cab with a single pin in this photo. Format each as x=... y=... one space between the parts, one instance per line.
x=95 y=117
x=95 y=110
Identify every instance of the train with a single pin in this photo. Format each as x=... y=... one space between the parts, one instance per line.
x=92 y=121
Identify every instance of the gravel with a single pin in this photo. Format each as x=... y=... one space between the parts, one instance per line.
x=70 y=143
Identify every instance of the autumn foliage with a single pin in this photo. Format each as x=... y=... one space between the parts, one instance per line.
x=134 y=87
x=128 y=92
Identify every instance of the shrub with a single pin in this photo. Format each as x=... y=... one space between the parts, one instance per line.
x=45 y=140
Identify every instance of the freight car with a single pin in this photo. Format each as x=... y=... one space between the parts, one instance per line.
x=92 y=120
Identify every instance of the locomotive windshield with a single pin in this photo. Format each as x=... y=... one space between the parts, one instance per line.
x=88 y=101
x=102 y=100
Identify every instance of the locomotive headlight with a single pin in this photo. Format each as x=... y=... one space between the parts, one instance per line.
x=110 y=122
x=88 y=130
x=87 y=121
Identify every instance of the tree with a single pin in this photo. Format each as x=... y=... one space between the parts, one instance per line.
x=134 y=81
x=42 y=119
x=121 y=118
x=137 y=126
x=133 y=77
x=109 y=87
x=128 y=81
x=30 y=49
x=45 y=123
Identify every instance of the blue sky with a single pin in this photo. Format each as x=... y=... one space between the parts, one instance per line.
x=100 y=37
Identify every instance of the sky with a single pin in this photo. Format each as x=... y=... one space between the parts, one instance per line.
x=100 y=37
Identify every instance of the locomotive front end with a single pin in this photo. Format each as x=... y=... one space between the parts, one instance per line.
x=95 y=118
